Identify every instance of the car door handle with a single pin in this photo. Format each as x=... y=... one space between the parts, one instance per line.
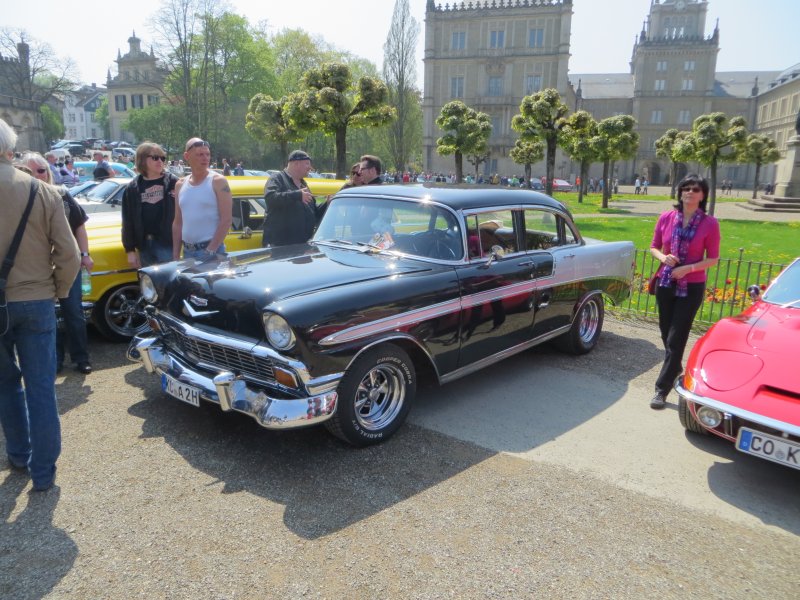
x=568 y=256
x=526 y=263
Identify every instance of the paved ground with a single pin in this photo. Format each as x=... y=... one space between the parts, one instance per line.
x=546 y=476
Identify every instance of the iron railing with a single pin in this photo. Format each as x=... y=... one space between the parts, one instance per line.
x=726 y=288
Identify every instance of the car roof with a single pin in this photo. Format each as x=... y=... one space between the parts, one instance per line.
x=460 y=197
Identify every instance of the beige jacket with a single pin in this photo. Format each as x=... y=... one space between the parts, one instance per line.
x=48 y=258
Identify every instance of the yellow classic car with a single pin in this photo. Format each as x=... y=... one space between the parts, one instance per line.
x=117 y=311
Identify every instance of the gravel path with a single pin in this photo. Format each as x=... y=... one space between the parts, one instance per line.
x=156 y=499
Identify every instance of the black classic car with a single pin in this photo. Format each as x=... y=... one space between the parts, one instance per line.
x=399 y=282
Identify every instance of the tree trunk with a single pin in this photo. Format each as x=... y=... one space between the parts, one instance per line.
x=528 y=171
x=605 y=183
x=673 y=176
x=551 y=166
x=583 y=170
x=712 y=196
x=755 y=184
x=341 y=152
x=459 y=167
x=284 y=150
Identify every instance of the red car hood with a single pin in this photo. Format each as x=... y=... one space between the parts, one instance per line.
x=750 y=361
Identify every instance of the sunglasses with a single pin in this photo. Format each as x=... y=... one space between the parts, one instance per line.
x=694 y=189
x=157 y=157
x=198 y=144
x=41 y=171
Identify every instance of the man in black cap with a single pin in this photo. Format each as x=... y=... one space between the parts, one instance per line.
x=292 y=211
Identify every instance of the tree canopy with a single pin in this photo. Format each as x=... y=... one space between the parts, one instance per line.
x=759 y=150
x=615 y=140
x=466 y=131
x=673 y=145
x=576 y=139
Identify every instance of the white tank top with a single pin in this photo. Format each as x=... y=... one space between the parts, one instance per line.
x=199 y=210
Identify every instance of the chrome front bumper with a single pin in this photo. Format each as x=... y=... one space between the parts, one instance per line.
x=233 y=393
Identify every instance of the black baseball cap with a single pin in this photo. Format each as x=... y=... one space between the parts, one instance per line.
x=298 y=155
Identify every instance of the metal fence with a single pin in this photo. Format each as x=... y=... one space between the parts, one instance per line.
x=726 y=288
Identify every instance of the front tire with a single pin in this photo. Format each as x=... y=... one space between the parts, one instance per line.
x=687 y=418
x=119 y=314
x=586 y=328
x=375 y=396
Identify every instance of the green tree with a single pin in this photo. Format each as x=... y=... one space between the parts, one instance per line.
x=541 y=117
x=466 y=130
x=161 y=123
x=759 y=150
x=101 y=116
x=579 y=129
x=399 y=73
x=715 y=139
x=527 y=153
x=332 y=102
x=296 y=52
x=476 y=160
x=615 y=140
x=52 y=123
x=673 y=145
x=267 y=119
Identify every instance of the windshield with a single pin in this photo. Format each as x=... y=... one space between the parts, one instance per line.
x=785 y=290
x=102 y=191
x=376 y=224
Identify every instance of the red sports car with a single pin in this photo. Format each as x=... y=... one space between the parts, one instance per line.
x=742 y=380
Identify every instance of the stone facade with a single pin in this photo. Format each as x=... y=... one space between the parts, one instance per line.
x=672 y=80
x=139 y=83
x=16 y=106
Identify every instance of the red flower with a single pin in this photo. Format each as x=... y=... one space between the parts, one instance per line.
x=763 y=286
x=728 y=282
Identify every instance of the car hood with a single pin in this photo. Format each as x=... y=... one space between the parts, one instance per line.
x=231 y=293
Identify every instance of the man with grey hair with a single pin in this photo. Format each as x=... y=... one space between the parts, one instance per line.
x=45 y=267
x=51 y=158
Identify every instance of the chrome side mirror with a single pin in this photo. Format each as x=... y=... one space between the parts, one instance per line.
x=755 y=292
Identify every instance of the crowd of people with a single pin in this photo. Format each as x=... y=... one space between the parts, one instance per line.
x=165 y=216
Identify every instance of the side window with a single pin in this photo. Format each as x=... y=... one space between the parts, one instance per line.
x=248 y=212
x=569 y=234
x=541 y=230
x=494 y=228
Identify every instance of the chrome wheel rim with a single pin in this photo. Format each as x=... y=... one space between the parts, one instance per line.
x=379 y=397
x=124 y=313
x=590 y=319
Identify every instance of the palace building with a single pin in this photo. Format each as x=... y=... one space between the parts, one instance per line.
x=492 y=53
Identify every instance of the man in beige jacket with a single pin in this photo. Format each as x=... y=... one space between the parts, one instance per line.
x=46 y=264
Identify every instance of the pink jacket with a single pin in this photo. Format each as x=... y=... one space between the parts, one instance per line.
x=705 y=243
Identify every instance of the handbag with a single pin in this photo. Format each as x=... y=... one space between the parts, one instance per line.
x=652 y=283
x=8 y=262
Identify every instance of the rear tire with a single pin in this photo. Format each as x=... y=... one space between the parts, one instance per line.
x=687 y=418
x=586 y=328
x=375 y=396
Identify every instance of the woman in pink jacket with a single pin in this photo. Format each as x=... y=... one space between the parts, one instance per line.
x=686 y=243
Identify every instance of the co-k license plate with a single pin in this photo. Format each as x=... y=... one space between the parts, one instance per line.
x=768 y=446
x=181 y=391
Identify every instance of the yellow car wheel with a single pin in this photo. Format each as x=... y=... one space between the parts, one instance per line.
x=119 y=314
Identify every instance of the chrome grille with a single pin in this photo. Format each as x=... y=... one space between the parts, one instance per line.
x=219 y=356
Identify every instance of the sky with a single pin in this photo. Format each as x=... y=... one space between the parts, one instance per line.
x=754 y=35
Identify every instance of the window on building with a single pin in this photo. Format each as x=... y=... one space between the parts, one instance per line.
x=137 y=101
x=153 y=99
x=456 y=87
x=497 y=39
x=81 y=117
x=535 y=38
x=688 y=65
x=120 y=103
x=71 y=118
x=495 y=86
x=533 y=83
x=687 y=85
x=660 y=85
x=661 y=66
x=92 y=118
x=784 y=106
x=684 y=117
x=497 y=127
x=458 y=40
x=657 y=116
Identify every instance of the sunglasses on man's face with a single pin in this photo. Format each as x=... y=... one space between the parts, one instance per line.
x=198 y=144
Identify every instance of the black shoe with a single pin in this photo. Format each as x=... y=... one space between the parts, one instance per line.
x=659 y=401
x=84 y=367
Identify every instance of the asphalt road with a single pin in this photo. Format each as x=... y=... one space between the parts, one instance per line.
x=546 y=476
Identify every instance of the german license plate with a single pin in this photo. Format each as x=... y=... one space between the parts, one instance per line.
x=181 y=391
x=768 y=446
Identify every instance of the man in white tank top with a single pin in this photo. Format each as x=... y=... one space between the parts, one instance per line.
x=203 y=206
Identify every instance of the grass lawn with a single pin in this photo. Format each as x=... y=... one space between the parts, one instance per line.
x=592 y=203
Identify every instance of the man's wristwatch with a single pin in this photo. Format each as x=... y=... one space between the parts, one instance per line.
x=84 y=254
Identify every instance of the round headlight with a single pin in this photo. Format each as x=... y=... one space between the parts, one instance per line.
x=279 y=334
x=148 y=289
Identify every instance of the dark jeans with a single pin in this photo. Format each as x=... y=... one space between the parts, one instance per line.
x=155 y=252
x=675 y=318
x=29 y=415
x=74 y=326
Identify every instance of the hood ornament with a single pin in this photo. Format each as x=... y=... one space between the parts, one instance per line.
x=198 y=301
x=196 y=314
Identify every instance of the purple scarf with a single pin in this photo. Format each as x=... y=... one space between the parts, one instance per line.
x=681 y=238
